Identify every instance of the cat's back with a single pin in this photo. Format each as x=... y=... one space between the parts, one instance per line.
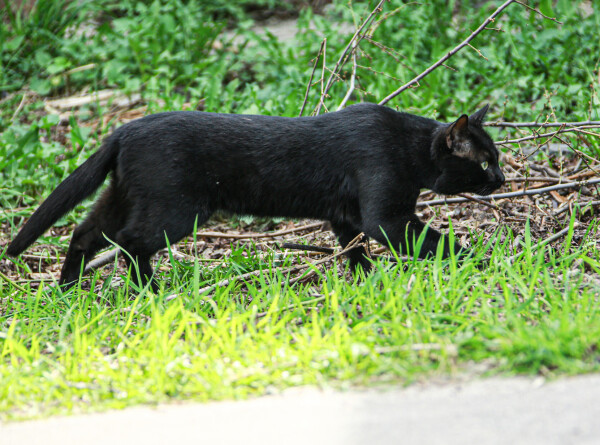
x=355 y=118
x=346 y=133
x=385 y=118
x=184 y=122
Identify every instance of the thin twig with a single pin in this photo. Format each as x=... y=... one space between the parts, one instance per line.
x=389 y=51
x=109 y=257
x=534 y=179
x=342 y=59
x=528 y=192
x=545 y=169
x=478 y=51
x=482 y=202
x=312 y=74
x=541 y=144
x=352 y=79
x=351 y=245
x=415 y=81
x=591 y=124
x=308 y=248
x=578 y=204
x=537 y=11
x=584 y=157
x=324 y=66
x=549 y=135
x=580 y=174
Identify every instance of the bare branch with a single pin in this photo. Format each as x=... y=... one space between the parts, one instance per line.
x=312 y=74
x=352 y=80
x=308 y=248
x=548 y=135
x=529 y=192
x=587 y=124
x=482 y=202
x=342 y=59
x=537 y=11
x=448 y=54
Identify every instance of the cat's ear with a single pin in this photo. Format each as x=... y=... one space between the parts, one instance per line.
x=456 y=129
x=478 y=116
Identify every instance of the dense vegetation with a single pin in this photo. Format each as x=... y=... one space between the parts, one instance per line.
x=105 y=343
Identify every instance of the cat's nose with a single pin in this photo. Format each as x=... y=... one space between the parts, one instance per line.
x=500 y=178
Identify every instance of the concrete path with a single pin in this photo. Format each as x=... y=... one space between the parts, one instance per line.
x=484 y=411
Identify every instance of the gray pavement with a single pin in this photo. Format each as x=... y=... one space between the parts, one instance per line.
x=481 y=411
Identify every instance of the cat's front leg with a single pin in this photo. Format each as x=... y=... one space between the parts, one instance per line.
x=402 y=233
x=358 y=256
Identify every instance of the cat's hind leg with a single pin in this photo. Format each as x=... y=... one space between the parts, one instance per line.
x=90 y=236
x=143 y=235
x=137 y=253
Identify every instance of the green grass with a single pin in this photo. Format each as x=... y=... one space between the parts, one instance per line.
x=532 y=310
x=89 y=350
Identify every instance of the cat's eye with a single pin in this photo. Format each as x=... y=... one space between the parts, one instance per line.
x=484 y=165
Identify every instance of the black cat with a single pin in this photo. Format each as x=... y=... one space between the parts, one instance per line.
x=360 y=168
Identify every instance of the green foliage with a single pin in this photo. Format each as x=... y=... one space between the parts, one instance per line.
x=32 y=41
x=160 y=45
x=155 y=45
x=532 y=64
x=24 y=148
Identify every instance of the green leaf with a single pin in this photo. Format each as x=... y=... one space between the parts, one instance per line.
x=58 y=65
x=13 y=44
x=40 y=86
x=546 y=8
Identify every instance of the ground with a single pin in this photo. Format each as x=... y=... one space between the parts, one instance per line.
x=514 y=410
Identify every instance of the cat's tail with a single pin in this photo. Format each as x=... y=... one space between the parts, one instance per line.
x=79 y=185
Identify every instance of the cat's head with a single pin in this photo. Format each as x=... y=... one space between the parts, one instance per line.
x=466 y=157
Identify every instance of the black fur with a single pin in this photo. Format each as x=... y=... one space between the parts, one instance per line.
x=360 y=168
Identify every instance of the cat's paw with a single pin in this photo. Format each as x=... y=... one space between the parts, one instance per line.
x=360 y=261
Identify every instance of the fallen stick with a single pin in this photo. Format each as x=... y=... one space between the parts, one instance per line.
x=482 y=202
x=533 y=179
x=258 y=235
x=102 y=260
x=308 y=248
x=581 y=205
x=109 y=257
